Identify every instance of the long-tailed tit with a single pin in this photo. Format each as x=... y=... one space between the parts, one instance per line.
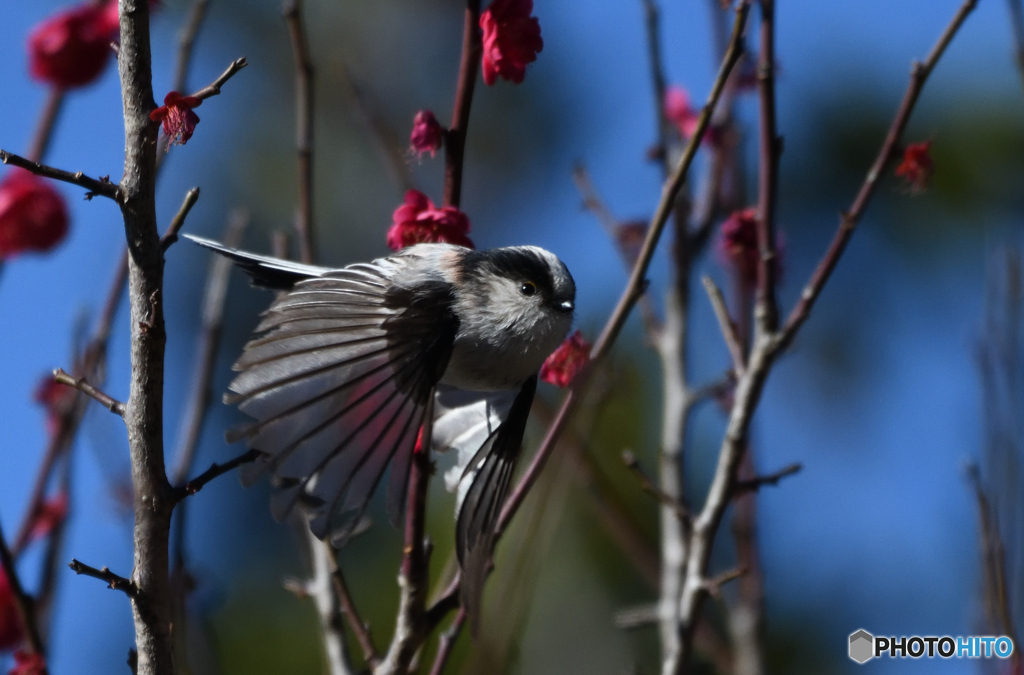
x=342 y=367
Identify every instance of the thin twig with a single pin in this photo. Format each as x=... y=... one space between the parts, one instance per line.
x=215 y=470
x=171 y=235
x=769 y=148
x=725 y=322
x=102 y=186
x=635 y=286
x=652 y=24
x=113 y=581
x=455 y=138
x=756 y=483
x=303 y=128
x=81 y=385
x=47 y=123
x=446 y=643
x=648 y=486
x=348 y=606
x=213 y=89
x=919 y=73
x=186 y=43
x=24 y=604
x=713 y=586
x=1017 y=24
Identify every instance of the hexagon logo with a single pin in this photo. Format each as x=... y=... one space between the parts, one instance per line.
x=862 y=646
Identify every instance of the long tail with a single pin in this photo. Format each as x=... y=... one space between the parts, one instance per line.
x=265 y=271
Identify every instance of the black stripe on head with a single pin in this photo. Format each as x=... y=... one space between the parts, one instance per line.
x=517 y=264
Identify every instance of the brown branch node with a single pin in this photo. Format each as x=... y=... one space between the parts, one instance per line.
x=102 y=186
x=113 y=581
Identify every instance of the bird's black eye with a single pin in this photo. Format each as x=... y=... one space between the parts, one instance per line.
x=528 y=288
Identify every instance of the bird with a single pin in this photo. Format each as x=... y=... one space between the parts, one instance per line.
x=344 y=366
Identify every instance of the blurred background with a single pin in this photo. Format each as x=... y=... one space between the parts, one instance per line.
x=879 y=398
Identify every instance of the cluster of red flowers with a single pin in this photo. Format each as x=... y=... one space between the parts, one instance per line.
x=33 y=216
x=72 y=47
x=565 y=363
x=427 y=134
x=511 y=40
x=418 y=221
x=738 y=247
x=177 y=118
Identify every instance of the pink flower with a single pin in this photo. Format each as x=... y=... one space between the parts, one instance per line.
x=511 y=40
x=418 y=221
x=567 y=361
x=738 y=247
x=176 y=115
x=33 y=216
x=685 y=117
x=427 y=134
x=11 y=631
x=71 y=48
x=917 y=166
x=28 y=664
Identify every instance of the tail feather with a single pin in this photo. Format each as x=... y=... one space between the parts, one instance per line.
x=265 y=271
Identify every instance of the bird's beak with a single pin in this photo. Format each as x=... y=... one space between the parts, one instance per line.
x=565 y=306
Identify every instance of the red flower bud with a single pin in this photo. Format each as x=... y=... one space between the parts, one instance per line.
x=426 y=133
x=917 y=166
x=738 y=247
x=176 y=115
x=56 y=399
x=418 y=221
x=28 y=664
x=511 y=40
x=52 y=512
x=11 y=631
x=565 y=363
x=685 y=117
x=71 y=48
x=33 y=216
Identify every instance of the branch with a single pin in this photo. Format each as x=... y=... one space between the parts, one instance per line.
x=47 y=122
x=713 y=586
x=919 y=73
x=113 y=581
x=1017 y=23
x=81 y=385
x=648 y=486
x=22 y=602
x=186 y=42
x=756 y=483
x=446 y=643
x=455 y=138
x=359 y=628
x=637 y=282
x=729 y=332
x=171 y=235
x=303 y=127
x=102 y=187
x=770 y=147
x=213 y=89
x=215 y=470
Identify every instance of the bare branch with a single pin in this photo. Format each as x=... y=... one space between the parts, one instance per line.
x=303 y=127
x=713 y=586
x=455 y=138
x=648 y=486
x=186 y=42
x=770 y=147
x=24 y=604
x=81 y=385
x=213 y=89
x=113 y=581
x=755 y=484
x=919 y=73
x=102 y=187
x=729 y=332
x=171 y=235
x=45 y=126
x=359 y=628
x=215 y=470
x=446 y=643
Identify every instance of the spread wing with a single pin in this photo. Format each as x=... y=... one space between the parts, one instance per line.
x=493 y=465
x=337 y=381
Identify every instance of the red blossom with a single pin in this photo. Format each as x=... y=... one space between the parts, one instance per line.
x=11 y=631
x=685 y=117
x=176 y=115
x=55 y=398
x=33 y=216
x=71 y=48
x=511 y=40
x=738 y=247
x=427 y=134
x=28 y=664
x=418 y=221
x=917 y=166
x=51 y=513
x=567 y=361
